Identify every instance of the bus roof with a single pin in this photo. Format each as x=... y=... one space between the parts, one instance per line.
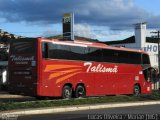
x=91 y=44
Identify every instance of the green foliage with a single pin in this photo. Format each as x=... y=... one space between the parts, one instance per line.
x=82 y=101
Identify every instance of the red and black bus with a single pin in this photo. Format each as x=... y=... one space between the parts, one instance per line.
x=54 y=68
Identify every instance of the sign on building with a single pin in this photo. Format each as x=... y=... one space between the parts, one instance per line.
x=68 y=26
x=153 y=48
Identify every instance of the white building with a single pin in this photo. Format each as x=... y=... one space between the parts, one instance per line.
x=140 y=41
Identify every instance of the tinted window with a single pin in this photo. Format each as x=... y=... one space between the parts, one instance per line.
x=118 y=56
x=146 y=59
x=57 y=51
x=129 y=57
x=110 y=55
x=45 y=50
x=94 y=54
x=68 y=52
x=135 y=58
x=78 y=53
x=23 y=46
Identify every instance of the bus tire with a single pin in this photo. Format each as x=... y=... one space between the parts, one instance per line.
x=137 y=90
x=67 y=92
x=80 y=91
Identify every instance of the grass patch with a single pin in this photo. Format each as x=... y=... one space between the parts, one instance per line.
x=55 y=103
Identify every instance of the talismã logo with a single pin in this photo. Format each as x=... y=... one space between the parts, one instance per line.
x=100 y=68
x=21 y=58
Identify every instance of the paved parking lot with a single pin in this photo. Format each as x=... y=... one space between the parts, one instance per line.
x=6 y=97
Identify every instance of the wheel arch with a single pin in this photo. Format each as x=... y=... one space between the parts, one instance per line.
x=79 y=92
x=82 y=84
x=67 y=85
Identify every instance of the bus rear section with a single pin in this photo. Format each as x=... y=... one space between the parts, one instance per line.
x=23 y=66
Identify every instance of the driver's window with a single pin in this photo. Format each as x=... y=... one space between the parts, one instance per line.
x=45 y=50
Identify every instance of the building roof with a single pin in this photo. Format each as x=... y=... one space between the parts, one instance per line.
x=151 y=40
x=127 y=40
x=131 y=40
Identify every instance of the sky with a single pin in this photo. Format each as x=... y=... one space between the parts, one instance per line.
x=98 y=19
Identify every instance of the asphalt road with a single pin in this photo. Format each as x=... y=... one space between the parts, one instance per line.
x=149 y=112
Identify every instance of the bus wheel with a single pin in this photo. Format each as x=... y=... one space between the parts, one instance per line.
x=67 y=92
x=80 y=91
x=137 y=90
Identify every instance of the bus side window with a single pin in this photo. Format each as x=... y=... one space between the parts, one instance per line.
x=145 y=59
x=44 y=50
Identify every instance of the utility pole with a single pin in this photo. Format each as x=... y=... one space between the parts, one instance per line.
x=158 y=36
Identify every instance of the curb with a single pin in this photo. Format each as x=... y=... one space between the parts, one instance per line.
x=74 y=108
